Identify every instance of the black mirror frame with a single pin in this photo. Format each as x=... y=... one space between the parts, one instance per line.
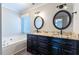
x=70 y=19
x=42 y=22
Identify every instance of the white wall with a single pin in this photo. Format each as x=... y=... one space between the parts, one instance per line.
x=10 y=22
x=47 y=12
x=11 y=26
x=11 y=30
x=0 y=32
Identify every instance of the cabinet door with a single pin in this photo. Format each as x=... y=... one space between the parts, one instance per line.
x=56 y=47
x=69 y=47
x=77 y=46
x=43 y=45
x=32 y=43
x=29 y=43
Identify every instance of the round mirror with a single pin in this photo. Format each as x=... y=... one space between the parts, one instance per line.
x=62 y=19
x=38 y=22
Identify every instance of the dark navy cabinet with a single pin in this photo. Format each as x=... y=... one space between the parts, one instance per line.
x=56 y=46
x=29 y=43
x=44 y=45
x=69 y=47
x=37 y=44
x=62 y=46
x=32 y=44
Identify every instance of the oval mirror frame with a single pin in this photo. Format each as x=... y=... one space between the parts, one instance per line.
x=35 y=23
x=70 y=18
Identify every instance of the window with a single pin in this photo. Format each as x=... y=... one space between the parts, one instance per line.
x=25 y=24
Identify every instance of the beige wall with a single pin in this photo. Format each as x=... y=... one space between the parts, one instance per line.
x=76 y=18
x=47 y=12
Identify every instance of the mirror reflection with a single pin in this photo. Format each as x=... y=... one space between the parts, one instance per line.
x=62 y=19
x=38 y=22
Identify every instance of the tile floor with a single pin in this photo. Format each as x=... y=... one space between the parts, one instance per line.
x=24 y=52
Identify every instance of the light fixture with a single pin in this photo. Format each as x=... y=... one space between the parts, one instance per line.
x=61 y=6
x=37 y=12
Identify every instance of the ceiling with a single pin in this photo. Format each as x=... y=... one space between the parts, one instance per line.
x=19 y=7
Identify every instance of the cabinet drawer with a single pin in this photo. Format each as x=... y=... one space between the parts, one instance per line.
x=43 y=51
x=69 y=42
x=56 y=51
x=43 y=41
x=32 y=36
x=43 y=44
x=43 y=38
x=34 y=42
x=57 y=40
x=56 y=45
x=68 y=47
x=69 y=52
x=44 y=47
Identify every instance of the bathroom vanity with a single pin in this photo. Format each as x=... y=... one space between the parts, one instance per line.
x=40 y=44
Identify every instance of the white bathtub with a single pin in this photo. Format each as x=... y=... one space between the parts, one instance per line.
x=14 y=44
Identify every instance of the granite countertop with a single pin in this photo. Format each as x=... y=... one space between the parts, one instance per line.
x=65 y=35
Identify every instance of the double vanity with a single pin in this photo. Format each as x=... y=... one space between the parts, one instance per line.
x=50 y=44
x=54 y=43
